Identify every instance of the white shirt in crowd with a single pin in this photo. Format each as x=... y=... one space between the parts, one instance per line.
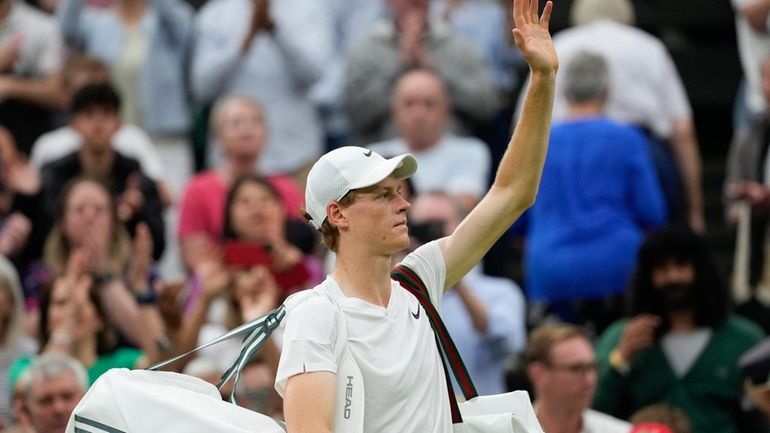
x=277 y=70
x=645 y=87
x=129 y=141
x=456 y=165
x=597 y=422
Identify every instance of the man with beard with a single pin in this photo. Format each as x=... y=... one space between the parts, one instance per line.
x=681 y=344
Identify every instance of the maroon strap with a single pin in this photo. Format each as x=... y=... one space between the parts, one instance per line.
x=409 y=280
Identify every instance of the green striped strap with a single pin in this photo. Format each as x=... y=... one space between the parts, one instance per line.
x=410 y=281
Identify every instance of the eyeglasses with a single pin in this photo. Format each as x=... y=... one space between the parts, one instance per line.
x=580 y=369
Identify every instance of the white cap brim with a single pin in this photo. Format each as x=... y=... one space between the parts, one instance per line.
x=402 y=167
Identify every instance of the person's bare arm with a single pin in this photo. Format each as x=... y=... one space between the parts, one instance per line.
x=43 y=91
x=685 y=147
x=308 y=403
x=518 y=176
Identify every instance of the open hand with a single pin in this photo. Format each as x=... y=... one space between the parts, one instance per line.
x=14 y=234
x=9 y=52
x=131 y=201
x=214 y=278
x=256 y=292
x=141 y=258
x=532 y=37
x=169 y=301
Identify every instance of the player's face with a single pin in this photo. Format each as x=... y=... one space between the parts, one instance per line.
x=378 y=216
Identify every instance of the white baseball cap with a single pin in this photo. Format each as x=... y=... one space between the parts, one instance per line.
x=348 y=168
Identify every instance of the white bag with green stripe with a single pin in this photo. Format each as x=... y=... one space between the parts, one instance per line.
x=151 y=401
x=157 y=401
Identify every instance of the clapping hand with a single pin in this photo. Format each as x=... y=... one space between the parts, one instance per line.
x=9 y=52
x=256 y=292
x=141 y=259
x=132 y=199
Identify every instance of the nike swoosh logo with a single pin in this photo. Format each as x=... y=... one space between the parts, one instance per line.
x=416 y=315
x=368 y=154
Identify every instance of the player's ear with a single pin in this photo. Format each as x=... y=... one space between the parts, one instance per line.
x=336 y=215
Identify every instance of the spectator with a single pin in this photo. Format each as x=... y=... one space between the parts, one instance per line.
x=753 y=47
x=421 y=109
x=352 y=19
x=485 y=23
x=748 y=180
x=597 y=197
x=101 y=286
x=13 y=343
x=53 y=386
x=259 y=269
x=130 y=140
x=485 y=315
x=145 y=43
x=274 y=52
x=680 y=345
x=411 y=40
x=562 y=368
x=238 y=123
x=30 y=57
x=645 y=89
x=95 y=116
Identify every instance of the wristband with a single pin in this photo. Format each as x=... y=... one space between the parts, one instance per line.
x=619 y=363
x=100 y=279
x=148 y=297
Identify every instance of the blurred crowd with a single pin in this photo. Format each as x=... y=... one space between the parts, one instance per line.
x=153 y=159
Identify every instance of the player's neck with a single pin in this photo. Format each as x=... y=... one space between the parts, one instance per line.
x=364 y=276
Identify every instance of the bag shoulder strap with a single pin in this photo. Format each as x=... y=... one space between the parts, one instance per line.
x=409 y=280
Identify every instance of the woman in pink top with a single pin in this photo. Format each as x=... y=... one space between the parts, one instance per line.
x=240 y=131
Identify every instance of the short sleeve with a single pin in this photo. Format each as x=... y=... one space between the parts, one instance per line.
x=428 y=263
x=308 y=341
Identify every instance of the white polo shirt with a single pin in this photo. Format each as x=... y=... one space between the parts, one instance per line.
x=394 y=347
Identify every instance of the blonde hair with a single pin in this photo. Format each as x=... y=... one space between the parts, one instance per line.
x=330 y=234
x=545 y=337
x=57 y=249
x=586 y=11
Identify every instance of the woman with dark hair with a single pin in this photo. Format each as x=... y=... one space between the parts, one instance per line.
x=681 y=344
x=260 y=265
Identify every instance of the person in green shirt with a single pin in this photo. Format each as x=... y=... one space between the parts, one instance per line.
x=681 y=344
